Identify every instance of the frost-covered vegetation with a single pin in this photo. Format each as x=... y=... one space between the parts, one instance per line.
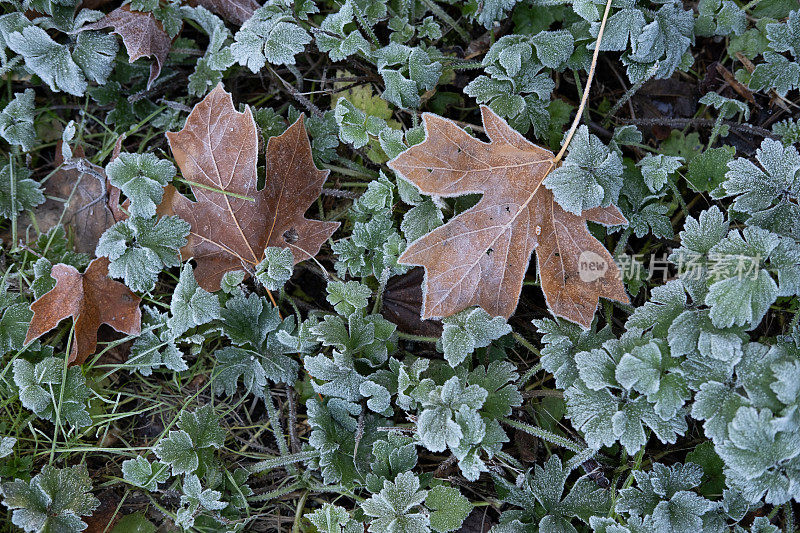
x=335 y=267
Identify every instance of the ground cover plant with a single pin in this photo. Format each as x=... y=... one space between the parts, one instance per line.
x=400 y=266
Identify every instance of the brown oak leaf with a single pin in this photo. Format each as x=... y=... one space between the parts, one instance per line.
x=91 y=299
x=232 y=221
x=480 y=256
x=142 y=35
x=236 y=11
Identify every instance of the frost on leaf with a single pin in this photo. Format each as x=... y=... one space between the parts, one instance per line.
x=139 y=248
x=142 y=178
x=93 y=205
x=545 y=487
x=48 y=392
x=54 y=500
x=186 y=449
x=236 y=11
x=232 y=222
x=468 y=330
x=768 y=194
x=397 y=506
x=480 y=256
x=91 y=299
x=142 y=473
x=16 y=120
x=142 y=34
x=18 y=191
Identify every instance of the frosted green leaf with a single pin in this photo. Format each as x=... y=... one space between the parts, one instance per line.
x=14 y=326
x=776 y=72
x=768 y=193
x=268 y=36
x=339 y=378
x=741 y=290
x=400 y=90
x=468 y=330
x=191 y=305
x=493 y=10
x=665 y=304
x=761 y=456
x=231 y=281
x=785 y=36
x=139 y=248
x=622 y=29
x=448 y=508
x=355 y=126
x=18 y=192
x=699 y=235
x=498 y=379
x=553 y=48
x=276 y=268
x=719 y=17
x=436 y=424
x=7 y=446
x=142 y=473
x=650 y=371
x=95 y=53
x=334 y=41
x=254 y=325
x=333 y=519
x=391 y=457
x=177 y=450
x=16 y=120
x=195 y=499
x=546 y=486
x=660 y=47
x=421 y=220
x=561 y=341
x=395 y=508
x=423 y=70
x=47 y=59
x=591 y=175
x=591 y=412
x=707 y=170
x=788 y=130
x=203 y=427
x=45 y=388
x=150 y=351
x=142 y=178
x=347 y=297
x=369 y=338
x=656 y=169
x=716 y=404
x=53 y=501
x=378 y=397
x=727 y=107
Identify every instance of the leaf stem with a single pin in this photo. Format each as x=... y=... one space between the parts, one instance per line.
x=214 y=189
x=579 y=112
x=543 y=434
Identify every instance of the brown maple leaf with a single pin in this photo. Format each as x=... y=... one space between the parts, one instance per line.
x=232 y=221
x=91 y=299
x=142 y=35
x=81 y=192
x=480 y=256
x=236 y=11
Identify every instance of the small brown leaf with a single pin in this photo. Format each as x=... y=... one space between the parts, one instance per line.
x=91 y=299
x=236 y=11
x=142 y=35
x=232 y=221
x=480 y=256
x=89 y=211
